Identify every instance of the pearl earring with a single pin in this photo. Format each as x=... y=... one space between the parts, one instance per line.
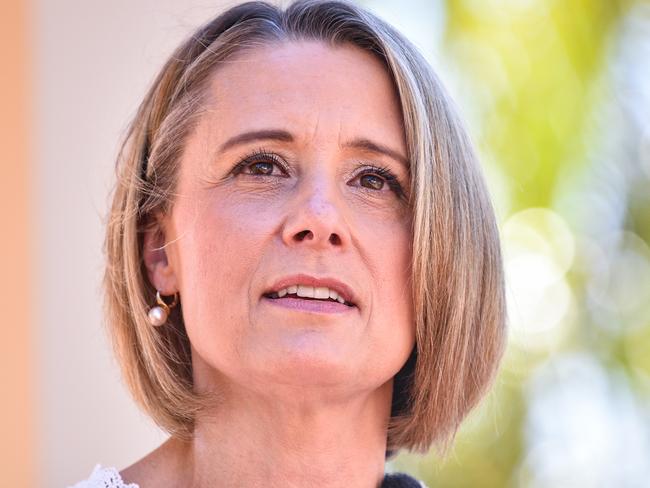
x=158 y=314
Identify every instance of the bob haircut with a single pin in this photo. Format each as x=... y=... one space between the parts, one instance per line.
x=457 y=273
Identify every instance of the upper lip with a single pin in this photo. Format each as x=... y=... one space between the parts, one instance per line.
x=339 y=287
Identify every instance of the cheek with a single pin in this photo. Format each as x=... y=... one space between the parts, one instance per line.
x=219 y=252
x=389 y=248
x=392 y=316
x=221 y=245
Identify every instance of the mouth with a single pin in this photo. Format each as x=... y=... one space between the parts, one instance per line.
x=307 y=304
x=307 y=292
x=300 y=293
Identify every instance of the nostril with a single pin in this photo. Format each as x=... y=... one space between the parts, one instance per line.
x=307 y=234
x=301 y=235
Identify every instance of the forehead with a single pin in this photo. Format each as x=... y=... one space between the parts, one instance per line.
x=307 y=88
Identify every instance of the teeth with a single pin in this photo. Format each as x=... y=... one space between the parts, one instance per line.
x=306 y=291
x=319 y=292
x=322 y=292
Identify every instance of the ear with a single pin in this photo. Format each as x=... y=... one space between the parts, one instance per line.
x=160 y=269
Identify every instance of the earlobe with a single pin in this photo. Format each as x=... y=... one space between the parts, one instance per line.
x=159 y=268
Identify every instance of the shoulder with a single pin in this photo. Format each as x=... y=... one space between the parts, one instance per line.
x=401 y=480
x=164 y=466
x=107 y=477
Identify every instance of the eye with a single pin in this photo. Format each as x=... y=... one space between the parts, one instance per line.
x=372 y=181
x=376 y=179
x=261 y=168
x=259 y=163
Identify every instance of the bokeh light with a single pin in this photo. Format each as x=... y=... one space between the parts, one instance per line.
x=539 y=249
x=557 y=97
x=584 y=427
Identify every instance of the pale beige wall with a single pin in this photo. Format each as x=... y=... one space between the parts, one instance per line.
x=93 y=62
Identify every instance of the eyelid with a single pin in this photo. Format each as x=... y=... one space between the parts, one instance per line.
x=382 y=171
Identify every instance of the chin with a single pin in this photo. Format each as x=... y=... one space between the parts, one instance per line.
x=309 y=366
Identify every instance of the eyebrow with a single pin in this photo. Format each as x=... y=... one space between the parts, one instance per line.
x=284 y=136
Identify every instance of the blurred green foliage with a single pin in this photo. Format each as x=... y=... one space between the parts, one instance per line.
x=537 y=65
x=535 y=76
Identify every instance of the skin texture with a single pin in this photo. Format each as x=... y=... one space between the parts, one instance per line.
x=302 y=398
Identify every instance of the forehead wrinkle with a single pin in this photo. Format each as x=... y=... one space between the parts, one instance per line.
x=340 y=131
x=315 y=129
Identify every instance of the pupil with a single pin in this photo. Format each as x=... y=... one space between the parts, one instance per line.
x=263 y=168
x=375 y=182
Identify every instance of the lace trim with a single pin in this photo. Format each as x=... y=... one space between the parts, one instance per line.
x=110 y=478
x=104 y=478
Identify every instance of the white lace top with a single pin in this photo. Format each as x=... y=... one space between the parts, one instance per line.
x=110 y=478
x=104 y=478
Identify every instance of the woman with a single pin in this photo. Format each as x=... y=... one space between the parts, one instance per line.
x=304 y=274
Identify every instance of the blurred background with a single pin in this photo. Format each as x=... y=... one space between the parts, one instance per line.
x=556 y=94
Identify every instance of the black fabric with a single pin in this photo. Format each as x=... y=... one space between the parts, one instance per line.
x=399 y=480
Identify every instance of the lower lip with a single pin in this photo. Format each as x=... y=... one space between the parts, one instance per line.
x=318 y=306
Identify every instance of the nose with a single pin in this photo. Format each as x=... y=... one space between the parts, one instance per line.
x=315 y=218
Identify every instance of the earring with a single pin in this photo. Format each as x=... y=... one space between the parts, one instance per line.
x=158 y=314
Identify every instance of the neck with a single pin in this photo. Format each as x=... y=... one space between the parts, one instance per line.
x=250 y=441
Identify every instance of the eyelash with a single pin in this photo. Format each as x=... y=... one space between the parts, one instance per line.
x=263 y=156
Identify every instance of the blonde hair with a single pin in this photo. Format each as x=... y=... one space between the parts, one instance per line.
x=457 y=275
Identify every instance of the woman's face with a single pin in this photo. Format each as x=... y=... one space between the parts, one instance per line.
x=296 y=167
